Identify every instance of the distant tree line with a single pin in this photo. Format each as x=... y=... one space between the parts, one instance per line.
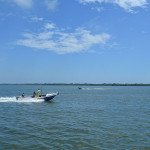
x=83 y=84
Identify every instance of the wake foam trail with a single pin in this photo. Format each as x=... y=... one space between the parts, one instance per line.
x=20 y=100
x=94 y=88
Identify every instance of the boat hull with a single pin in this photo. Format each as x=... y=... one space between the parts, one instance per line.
x=49 y=98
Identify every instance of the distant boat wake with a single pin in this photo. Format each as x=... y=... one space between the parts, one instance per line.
x=81 y=88
x=26 y=100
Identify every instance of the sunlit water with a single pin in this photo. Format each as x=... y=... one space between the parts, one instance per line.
x=95 y=118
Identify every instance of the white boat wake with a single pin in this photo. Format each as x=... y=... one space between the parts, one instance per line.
x=93 y=88
x=22 y=100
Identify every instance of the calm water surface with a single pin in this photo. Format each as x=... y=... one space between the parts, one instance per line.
x=96 y=118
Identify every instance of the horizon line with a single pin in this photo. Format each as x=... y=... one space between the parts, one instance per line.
x=81 y=84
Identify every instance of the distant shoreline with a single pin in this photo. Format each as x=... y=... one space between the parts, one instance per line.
x=80 y=84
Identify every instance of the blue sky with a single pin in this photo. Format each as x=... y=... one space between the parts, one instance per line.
x=74 y=41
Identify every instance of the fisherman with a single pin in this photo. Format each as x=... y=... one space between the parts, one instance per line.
x=34 y=94
x=38 y=93
x=23 y=95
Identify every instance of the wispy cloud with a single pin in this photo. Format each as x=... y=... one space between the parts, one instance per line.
x=37 y=19
x=62 y=41
x=51 y=4
x=126 y=4
x=23 y=3
x=50 y=26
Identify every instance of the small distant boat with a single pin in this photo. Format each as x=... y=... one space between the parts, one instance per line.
x=82 y=88
x=46 y=97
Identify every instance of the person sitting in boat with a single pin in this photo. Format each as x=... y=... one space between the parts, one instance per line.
x=23 y=95
x=38 y=93
x=34 y=94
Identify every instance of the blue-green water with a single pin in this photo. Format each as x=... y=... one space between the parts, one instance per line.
x=96 y=118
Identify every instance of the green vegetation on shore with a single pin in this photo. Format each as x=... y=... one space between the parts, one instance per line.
x=81 y=84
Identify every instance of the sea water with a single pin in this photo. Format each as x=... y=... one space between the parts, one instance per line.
x=94 y=118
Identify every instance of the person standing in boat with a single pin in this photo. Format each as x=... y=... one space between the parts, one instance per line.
x=23 y=95
x=34 y=94
x=38 y=93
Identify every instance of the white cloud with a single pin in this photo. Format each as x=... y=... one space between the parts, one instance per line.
x=129 y=4
x=23 y=3
x=50 y=26
x=37 y=19
x=62 y=42
x=126 y=4
x=51 y=4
